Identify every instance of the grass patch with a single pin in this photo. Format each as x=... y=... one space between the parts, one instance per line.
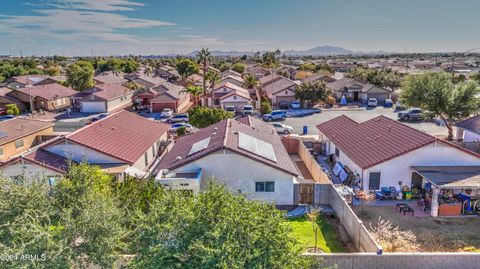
x=327 y=239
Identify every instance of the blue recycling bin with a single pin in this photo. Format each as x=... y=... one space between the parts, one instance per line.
x=305 y=130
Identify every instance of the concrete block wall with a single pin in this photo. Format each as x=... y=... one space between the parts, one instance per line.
x=399 y=260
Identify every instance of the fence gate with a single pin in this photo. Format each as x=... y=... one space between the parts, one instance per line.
x=306 y=193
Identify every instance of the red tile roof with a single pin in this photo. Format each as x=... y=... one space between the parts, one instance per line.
x=123 y=135
x=374 y=141
x=224 y=135
x=48 y=92
x=109 y=91
x=110 y=79
x=48 y=160
x=17 y=128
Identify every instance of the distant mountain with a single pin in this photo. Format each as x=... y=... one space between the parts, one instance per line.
x=317 y=51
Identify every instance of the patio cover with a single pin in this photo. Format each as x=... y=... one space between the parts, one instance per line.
x=451 y=177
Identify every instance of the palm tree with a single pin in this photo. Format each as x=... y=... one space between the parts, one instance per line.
x=251 y=82
x=194 y=91
x=204 y=55
x=212 y=77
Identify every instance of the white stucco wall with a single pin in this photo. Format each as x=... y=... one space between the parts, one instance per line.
x=470 y=136
x=119 y=102
x=240 y=173
x=140 y=163
x=28 y=170
x=436 y=154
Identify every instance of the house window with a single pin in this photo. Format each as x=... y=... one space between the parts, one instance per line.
x=217 y=102
x=265 y=186
x=337 y=152
x=19 y=143
x=234 y=97
x=1 y=151
x=153 y=151
x=286 y=92
x=146 y=158
x=374 y=181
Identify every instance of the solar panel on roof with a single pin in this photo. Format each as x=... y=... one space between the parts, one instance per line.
x=199 y=146
x=256 y=146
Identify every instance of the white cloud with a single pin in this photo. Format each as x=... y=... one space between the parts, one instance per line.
x=99 y=5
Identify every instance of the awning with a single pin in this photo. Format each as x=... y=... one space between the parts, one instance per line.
x=459 y=177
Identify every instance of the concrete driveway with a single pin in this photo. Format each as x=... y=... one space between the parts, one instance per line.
x=359 y=116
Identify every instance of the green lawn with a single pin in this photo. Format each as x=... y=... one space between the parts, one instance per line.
x=327 y=235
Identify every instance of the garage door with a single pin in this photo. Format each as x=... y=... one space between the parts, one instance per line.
x=93 y=107
x=158 y=107
x=381 y=97
x=288 y=99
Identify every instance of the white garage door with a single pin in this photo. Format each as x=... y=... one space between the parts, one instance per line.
x=93 y=107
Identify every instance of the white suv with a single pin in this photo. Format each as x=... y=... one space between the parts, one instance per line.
x=372 y=102
x=282 y=128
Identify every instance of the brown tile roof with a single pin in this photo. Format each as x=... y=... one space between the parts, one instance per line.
x=48 y=92
x=374 y=141
x=17 y=128
x=277 y=86
x=123 y=135
x=28 y=79
x=224 y=135
x=110 y=79
x=343 y=83
x=171 y=89
x=471 y=124
x=109 y=91
x=264 y=81
x=48 y=160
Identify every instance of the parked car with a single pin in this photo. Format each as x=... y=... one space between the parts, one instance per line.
x=282 y=128
x=388 y=103
x=166 y=112
x=411 y=114
x=231 y=109
x=372 y=102
x=275 y=115
x=6 y=117
x=283 y=105
x=248 y=110
x=295 y=104
x=99 y=117
x=178 y=118
x=174 y=127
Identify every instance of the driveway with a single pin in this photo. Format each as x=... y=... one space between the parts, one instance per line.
x=359 y=116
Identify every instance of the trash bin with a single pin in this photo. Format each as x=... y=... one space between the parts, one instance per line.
x=305 y=130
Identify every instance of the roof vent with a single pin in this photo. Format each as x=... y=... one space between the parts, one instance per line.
x=113 y=128
x=178 y=158
x=216 y=128
x=214 y=134
x=235 y=132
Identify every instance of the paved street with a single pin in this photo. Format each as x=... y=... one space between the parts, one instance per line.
x=359 y=116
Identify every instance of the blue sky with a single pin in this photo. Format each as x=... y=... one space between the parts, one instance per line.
x=106 y=27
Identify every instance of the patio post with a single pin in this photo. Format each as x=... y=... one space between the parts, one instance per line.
x=434 y=207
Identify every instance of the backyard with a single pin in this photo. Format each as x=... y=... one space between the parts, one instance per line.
x=327 y=240
x=432 y=234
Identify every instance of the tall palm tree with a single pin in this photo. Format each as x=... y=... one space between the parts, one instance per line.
x=194 y=91
x=251 y=82
x=204 y=56
x=212 y=77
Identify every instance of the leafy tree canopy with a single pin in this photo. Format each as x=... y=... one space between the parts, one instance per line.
x=239 y=67
x=80 y=75
x=312 y=92
x=187 y=67
x=380 y=77
x=202 y=117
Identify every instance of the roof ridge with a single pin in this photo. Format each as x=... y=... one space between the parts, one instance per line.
x=399 y=124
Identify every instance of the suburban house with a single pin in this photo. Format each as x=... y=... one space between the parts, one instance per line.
x=6 y=98
x=121 y=144
x=50 y=97
x=109 y=79
x=280 y=90
x=18 y=135
x=247 y=156
x=468 y=130
x=104 y=98
x=167 y=95
x=229 y=94
x=236 y=80
x=147 y=82
x=192 y=80
x=319 y=77
x=258 y=71
x=17 y=82
x=357 y=91
x=230 y=73
x=382 y=152
x=168 y=73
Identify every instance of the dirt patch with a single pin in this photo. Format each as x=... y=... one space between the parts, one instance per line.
x=433 y=234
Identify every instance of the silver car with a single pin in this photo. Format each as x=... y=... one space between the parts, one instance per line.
x=282 y=128
x=411 y=114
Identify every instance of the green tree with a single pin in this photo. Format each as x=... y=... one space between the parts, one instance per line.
x=12 y=109
x=213 y=78
x=195 y=92
x=187 y=68
x=130 y=65
x=251 y=82
x=224 y=67
x=239 y=67
x=476 y=77
x=215 y=229
x=54 y=70
x=307 y=67
x=435 y=93
x=311 y=92
x=80 y=75
x=265 y=107
x=202 y=117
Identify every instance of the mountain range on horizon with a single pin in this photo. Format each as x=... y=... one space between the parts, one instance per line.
x=326 y=50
